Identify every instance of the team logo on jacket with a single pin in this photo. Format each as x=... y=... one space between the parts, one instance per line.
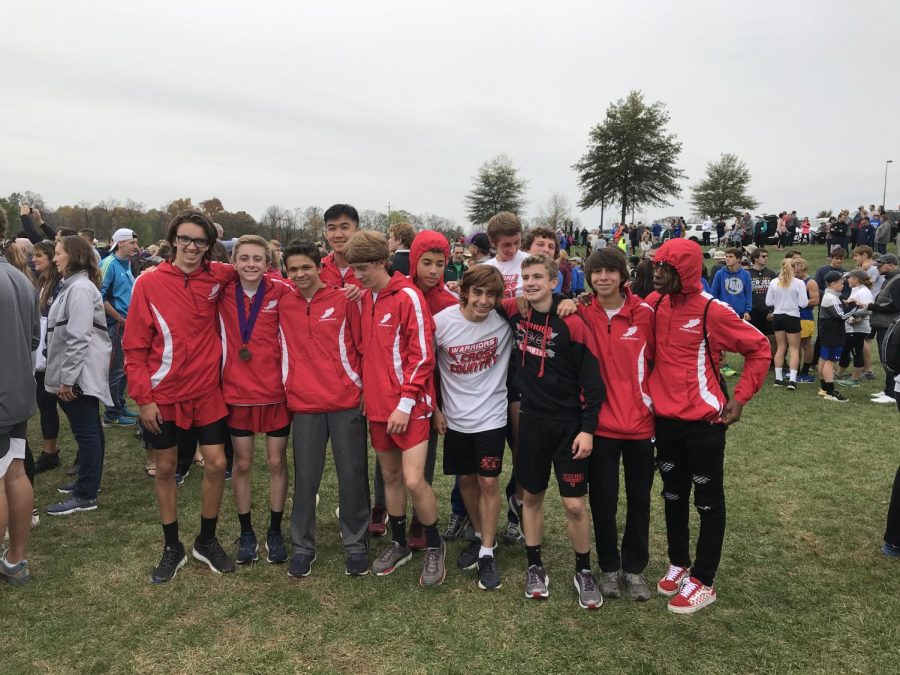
x=629 y=334
x=385 y=319
x=326 y=314
x=214 y=291
x=691 y=326
x=272 y=304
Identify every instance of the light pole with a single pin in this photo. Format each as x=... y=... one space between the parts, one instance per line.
x=884 y=194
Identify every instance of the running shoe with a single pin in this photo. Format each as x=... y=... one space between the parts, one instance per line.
x=837 y=397
x=805 y=379
x=468 y=557
x=537 y=582
x=636 y=587
x=35 y=519
x=868 y=375
x=126 y=412
x=120 y=421
x=14 y=575
x=179 y=477
x=213 y=556
x=589 y=596
x=779 y=383
x=173 y=559
x=790 y=385
x=693 y=596
x=378 y=521
x=515 y=506
x=609 y=584
x=357 y=565
x=435 y=570
x=512 y=534
x=727 y=371
x=488 y=576
x=394 y=556
x=248 y=549
x=276 y=553
x=670 y=584
x=877 y=394
x=822 y=392
x=456 y=524
x=416 y=536
x=72 y=505
x=849 y=382
x=301 y=565
x=890 y=550
x=884 y=398
x=45 y=462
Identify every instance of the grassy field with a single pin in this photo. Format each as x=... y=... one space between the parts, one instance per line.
x=802 y=585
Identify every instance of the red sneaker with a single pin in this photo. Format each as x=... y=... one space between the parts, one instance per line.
x=416 y=537
x=692 y=596
x=671 y=583
x=378 y=521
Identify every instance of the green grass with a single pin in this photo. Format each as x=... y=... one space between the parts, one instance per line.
x=802 y=585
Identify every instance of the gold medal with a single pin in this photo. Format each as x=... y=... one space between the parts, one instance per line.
x=244 y=354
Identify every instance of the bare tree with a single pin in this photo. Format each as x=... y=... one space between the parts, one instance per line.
x=555 y=212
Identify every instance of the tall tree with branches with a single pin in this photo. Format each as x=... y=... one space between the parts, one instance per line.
x=497 y=187
x=631 y=158
x=723 y=191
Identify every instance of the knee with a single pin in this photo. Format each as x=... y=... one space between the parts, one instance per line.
x=215 y=466
x=489 y=485
x=575 y=507
x=531 y=500
x=414 y=484
x=165 y=470
x=241 y=467
x=277 y=465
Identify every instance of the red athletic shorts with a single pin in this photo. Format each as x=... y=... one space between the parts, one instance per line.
x=196 y=412
x=416 y=432
x=260 y=419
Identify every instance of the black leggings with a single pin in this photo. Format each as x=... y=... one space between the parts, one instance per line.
x=853 y=342
x=47 y=403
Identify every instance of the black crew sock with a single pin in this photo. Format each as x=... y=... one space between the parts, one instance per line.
x=246 y=523
x=582 y=561
x=805 y=369
x=170 y=533
x=828 y=387
x=533 y=553
x=398 y=529
x=275 y=520
x=432 y=536
x=208 y=529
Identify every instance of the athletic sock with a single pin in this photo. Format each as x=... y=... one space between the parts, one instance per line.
x=484 y=550
x=398 y=529
x=779 y=374
x=246 y=523
x=275 y=520
x=533 y=553
x=432 y=536
x=793 y=375
x=170 y=533
x=208 y=529
x=828 y=387
x=805 y=370
x=582 y=561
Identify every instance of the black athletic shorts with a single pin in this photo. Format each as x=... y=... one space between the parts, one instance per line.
x=480 y=452
x=284 y=432
x=786 y=322
x=548 y=442
x=209 y=434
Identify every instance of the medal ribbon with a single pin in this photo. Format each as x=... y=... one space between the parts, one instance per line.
x=244 y=322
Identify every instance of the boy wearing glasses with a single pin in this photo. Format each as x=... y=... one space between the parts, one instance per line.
x=760 y=278
x=172 y=359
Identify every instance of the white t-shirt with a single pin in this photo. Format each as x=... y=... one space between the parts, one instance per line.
x=788 y=300
x=512 y=273
x=473 y=358
x=859 y=323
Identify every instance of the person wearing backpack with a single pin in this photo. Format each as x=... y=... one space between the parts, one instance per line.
x=885 y=311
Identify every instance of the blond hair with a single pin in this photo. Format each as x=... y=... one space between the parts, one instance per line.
x=550 y=264
x=367 y=246
x=253 y=240
x=786 y=276
x=403 y=232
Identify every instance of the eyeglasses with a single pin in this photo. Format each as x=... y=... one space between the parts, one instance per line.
x=199 y=242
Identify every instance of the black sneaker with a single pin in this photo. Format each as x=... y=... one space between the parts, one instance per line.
x=301 y=565
x=45 y=462
x=468 y=557
x=173 y=559
x=488 y=577
x=791 y=385
x=779 y=383
x=247 y=549
x=213 y=555
x=456 y=524
x=357 y=565
x=276 y=553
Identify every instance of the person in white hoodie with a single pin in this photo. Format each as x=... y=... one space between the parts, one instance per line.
x=787 y=295
x=78 y=353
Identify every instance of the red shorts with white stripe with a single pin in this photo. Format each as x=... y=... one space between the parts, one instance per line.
x=417 y=431
x=196 y=412
x=259 y=419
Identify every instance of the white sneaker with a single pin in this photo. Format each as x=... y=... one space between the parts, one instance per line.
x=878 y=393
x=884 y=398
x=35 y=519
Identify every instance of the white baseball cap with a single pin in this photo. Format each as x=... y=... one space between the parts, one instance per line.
x=120 y=235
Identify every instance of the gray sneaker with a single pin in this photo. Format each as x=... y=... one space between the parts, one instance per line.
x=636 y=587
x=394 y=556
x=468 y=557
x=72 y=505
x=14 y=575
x=537 y=582
x=589 y=596
x=435 y=570
x=609 y=584
x=512 y=534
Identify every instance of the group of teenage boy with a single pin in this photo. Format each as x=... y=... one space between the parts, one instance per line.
x=347 y=346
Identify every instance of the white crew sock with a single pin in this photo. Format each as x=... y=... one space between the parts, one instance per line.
x=779 y=373
x=793 y=375
x=484 y=550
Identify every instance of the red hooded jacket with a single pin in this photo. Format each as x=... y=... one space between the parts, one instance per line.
x=321 y=361
x=683 y=384
x=257 y=381
x=438 y=297
x=626 y=346
x=172 y=348
x=398 y=351
x=331 y=274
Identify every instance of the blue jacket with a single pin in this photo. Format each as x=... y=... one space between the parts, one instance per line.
x=117 y=284
x=734 y=288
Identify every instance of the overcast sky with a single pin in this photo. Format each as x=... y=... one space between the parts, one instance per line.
x=299 y=103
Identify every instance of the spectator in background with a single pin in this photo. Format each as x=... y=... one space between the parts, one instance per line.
x=19 y=337
x=566 y=270
x=760 y=278
x=786 y=295
x=836 y=264
x=885 y=310
x=883 y=235
x=838 y=232
x=577 y=277
x=857 y=329
x=78 y=354
x=276 y=266
x=88 y=235
x=706 y=229
x=400 y=239
x=807 y=319
x=642 y=283
x=646 y=243
x=732 y=285
x=804 y=231
x=115 y=289
x=479 y=248
x=457 y=265
x=720 y=231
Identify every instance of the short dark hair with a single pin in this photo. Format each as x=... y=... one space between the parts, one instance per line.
x=733 y=250
x=307 y=248
x=837 y=252
x=609 y=258
x=541 y=232
x=197 y=218
x=480 y=276
x=337 y=210
x=65 y=232
x=86 y=232
x=754 y=256
x=3 y=223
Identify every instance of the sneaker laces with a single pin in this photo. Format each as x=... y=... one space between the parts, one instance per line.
x=246 y=540
x=673 y=573
x=217 y=553
x=488 y=563
x=586 y=577
x=534 y=576
x=170 y=556
x=390 y=552
x=689 y=587
x=432 y=560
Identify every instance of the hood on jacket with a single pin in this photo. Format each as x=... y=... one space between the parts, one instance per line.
x=427 y=240
x=686 y=257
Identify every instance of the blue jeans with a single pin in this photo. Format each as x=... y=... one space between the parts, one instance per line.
x=84 y=418
x=118 y=385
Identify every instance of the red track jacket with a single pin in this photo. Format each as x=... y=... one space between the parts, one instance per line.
x=331 y=274
x=438 y=297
